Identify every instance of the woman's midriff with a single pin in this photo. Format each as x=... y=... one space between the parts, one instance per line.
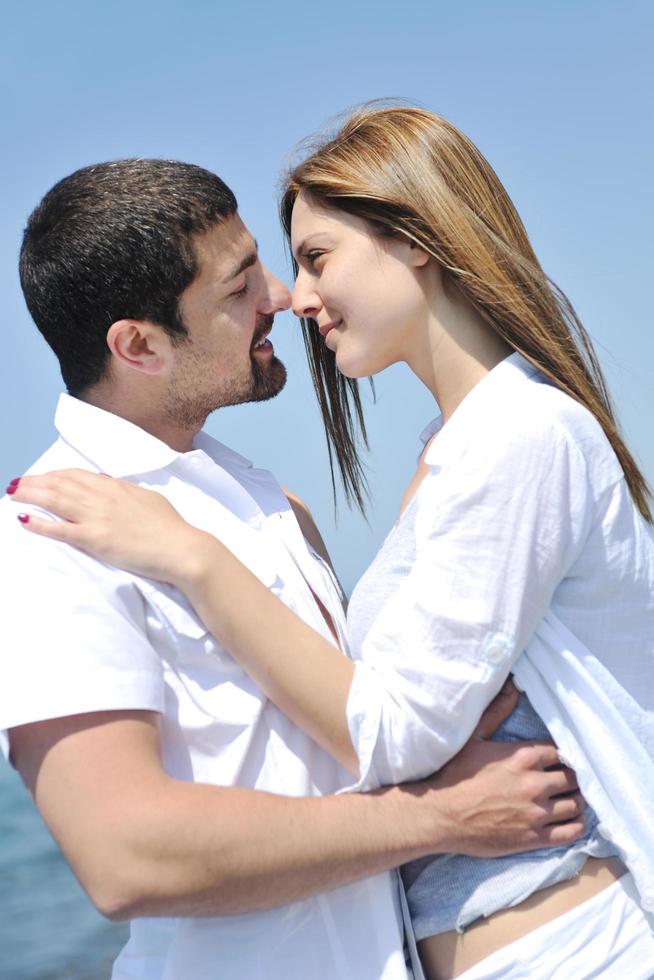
x=451 y=953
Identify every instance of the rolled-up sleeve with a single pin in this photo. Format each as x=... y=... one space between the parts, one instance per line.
x=73 y=636
x=497 y=530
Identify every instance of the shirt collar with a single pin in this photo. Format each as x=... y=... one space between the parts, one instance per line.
x=501 y=378
x=120 y=448
x=220 y=453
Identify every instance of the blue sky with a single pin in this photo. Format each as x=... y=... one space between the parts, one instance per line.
x=556 y=94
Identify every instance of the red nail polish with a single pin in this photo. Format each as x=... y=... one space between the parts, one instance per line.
x=14 y=482
x=23 y=518
x=12 y=488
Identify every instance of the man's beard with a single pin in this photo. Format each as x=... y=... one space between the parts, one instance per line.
x=267 y=380
x=187 y=406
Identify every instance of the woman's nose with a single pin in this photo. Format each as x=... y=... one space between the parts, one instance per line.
x=306 y=302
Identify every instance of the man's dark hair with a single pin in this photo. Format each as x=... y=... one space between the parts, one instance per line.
x=114 y=241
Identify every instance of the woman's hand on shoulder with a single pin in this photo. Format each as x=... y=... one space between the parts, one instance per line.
x=113 y=520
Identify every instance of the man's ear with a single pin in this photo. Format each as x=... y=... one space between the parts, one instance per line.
x=139 y=344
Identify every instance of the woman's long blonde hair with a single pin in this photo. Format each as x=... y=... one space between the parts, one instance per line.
x=409 y=172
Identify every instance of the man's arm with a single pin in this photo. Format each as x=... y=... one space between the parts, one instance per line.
x=142 y=843
x=308 y=526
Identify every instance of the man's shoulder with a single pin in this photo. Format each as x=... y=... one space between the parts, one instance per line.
x=33 y=558
x=58 y=456
x=307 y=524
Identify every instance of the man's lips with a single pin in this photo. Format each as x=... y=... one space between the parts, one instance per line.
x=262 y=344
x=261 y=334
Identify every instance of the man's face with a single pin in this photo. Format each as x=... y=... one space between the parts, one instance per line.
x=228 y=311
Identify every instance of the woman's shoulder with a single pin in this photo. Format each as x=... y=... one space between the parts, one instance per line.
x=565 y=416
x=543 y=414
x=533 y=430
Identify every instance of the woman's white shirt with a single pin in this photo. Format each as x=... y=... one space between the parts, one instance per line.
x=531 y=558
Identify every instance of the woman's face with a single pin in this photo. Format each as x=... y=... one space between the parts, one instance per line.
x=365 y=292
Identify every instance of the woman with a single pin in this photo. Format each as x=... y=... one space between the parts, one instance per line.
x=523 y=544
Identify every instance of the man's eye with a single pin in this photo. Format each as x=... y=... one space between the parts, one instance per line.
x=242 y=292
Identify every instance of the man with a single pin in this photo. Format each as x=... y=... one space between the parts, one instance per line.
x=179 y=794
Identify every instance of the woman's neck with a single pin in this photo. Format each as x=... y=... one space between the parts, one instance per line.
x=457 y=349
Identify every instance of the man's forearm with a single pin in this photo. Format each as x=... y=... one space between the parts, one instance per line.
x=143 y=843
x=205 y=850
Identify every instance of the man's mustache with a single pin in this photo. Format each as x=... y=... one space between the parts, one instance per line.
x=264 y=326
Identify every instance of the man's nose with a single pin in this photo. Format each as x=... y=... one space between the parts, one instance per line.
x=277 y=296
x=305 y=300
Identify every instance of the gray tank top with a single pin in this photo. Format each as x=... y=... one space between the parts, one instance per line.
x=451 y=891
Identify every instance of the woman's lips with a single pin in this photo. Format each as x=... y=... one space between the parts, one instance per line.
x=326 y=327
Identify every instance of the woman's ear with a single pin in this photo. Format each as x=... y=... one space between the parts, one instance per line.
x=418 y=256
x=138 y=345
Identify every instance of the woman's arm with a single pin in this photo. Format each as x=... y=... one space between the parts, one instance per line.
x=497 y=531
x=302 y=672
x=491 y=551
x=139 y=530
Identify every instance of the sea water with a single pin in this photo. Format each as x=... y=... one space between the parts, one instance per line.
x=48 y=928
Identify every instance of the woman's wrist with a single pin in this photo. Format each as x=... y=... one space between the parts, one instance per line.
x=199 y=555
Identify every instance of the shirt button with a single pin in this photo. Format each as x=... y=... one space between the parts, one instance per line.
x=496 y=651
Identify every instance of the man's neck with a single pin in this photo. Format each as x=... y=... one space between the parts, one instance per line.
x=145 y=416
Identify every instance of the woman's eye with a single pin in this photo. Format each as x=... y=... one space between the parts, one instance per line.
x=313 y=256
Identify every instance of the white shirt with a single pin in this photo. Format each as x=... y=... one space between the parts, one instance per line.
x=530 y=557
x=81 y=636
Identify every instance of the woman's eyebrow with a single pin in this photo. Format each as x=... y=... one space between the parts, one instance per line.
x=303 y=244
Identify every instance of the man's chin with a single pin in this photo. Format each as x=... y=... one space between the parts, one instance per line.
x=268 y=381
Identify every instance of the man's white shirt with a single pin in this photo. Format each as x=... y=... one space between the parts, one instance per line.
x=80 y=636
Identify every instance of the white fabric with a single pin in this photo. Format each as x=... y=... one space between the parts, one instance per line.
x=607 y=937
x=417 y=971
x=604 y=734
x=527 y=542
x=79 y=636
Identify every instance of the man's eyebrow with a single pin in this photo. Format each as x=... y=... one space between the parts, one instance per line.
x=245 y=263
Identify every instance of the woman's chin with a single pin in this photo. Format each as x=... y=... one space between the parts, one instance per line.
x=352 y=366
x=351 y=373
x=357 y=367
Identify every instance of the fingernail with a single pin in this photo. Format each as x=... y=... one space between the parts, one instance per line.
x=12 y=488
x=14 y=482
x=23 y=518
